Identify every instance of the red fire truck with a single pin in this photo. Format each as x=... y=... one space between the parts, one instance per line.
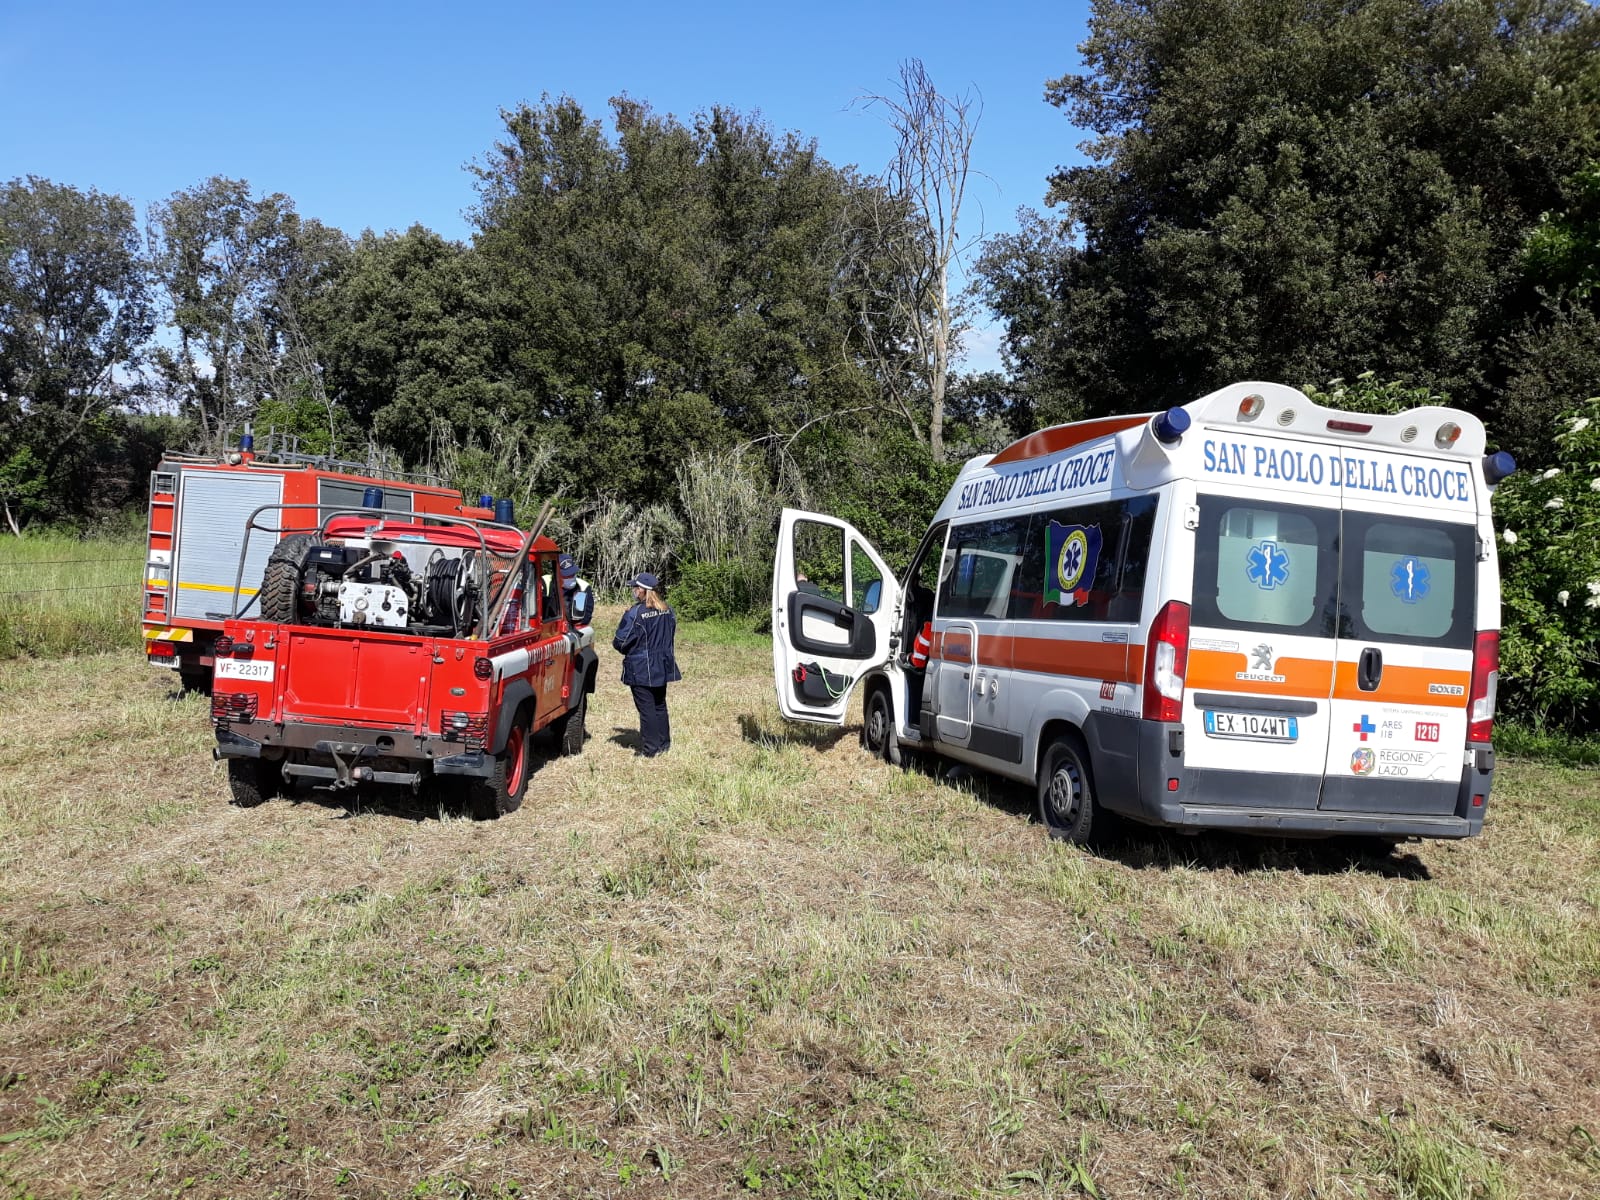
x=393 y=651
x=198 y=508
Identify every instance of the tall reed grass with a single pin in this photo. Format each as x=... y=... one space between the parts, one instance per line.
x=61 y=594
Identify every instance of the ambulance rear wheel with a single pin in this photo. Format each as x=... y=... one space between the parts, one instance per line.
x=502 y=791
x=878 y=737
x=252 y=781
x=1067 y=805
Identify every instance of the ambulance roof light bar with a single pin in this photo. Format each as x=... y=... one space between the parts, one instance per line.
x=1250 y=403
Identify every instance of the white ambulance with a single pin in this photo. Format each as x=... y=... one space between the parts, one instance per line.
x=1250 y=613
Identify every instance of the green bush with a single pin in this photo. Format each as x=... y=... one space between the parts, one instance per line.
x=705 y=590
x=1550 y=583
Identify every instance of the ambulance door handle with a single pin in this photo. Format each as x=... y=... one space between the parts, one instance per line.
x=1370 y=669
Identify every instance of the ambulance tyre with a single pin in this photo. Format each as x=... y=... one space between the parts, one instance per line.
x=252 y=781
x=280 y=585
x=502 y=791
x=1067 y=805
x=878 y=737
x=569 y=729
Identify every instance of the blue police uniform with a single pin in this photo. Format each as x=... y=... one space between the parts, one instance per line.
x=644 y=639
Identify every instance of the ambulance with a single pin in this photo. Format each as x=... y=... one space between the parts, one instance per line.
x=1250 y=612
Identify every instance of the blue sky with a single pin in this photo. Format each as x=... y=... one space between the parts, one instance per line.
x=367 y=114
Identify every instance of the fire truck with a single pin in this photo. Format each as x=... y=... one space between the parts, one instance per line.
x=198 y=509
x=390 y=650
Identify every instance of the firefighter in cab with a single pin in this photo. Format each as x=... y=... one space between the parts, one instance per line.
x=645 y=640
x=577 y=593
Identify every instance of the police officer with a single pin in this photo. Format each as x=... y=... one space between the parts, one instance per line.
x=644 y=639
x=576 y=592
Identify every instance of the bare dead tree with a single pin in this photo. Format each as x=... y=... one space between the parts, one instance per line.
x=912 y=234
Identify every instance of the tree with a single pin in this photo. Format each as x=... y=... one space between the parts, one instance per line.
x=239 y=274
x=1296 y=191
x=74 y=311
x=669 y=290
x=912 y=228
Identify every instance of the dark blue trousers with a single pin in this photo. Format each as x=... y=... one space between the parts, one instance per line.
x=655 y=731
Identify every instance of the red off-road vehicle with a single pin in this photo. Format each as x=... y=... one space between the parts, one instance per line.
x=395 y=652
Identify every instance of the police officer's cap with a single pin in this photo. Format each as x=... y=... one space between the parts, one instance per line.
x=568 y=566
x=645 y=580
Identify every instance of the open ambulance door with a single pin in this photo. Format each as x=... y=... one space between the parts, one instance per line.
x=834 y=607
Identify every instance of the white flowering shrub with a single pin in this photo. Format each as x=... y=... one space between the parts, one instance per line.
x=1549 y=514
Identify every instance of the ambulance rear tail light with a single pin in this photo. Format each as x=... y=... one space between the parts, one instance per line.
x=1166 y=661
x=1447 y=435
x=1171 y=425
x=1485 y=681
x=1251 y=407
x=1497 y=466
x=1349 y=427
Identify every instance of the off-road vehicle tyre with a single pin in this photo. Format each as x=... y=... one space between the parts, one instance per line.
x=1067 y=805
x=502 y=792
x=280 y=585
x=569 y=729
x=253 y=781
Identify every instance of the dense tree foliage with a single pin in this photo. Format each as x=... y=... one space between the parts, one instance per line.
x=1288 y=190
x=678 y=286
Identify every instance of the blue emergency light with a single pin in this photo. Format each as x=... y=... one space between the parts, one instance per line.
x=1498 y=465
x=1171 y=425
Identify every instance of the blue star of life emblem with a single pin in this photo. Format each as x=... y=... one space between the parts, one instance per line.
x=1409 y=580
x=1267 y=566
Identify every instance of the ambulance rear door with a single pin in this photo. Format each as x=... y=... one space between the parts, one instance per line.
x=1408 y=608
x=834 y=606
x=1258 y=705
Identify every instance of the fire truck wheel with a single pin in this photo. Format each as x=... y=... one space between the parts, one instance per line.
x=877 y=728
x=280 y=585
x=502 y=792
x=1067 y=805
x=252 y=781
x=570 y=732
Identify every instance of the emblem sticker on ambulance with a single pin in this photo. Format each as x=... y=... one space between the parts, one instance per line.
x=1408 y=579
x=1073 y=552
x=1267 y=566
x=1362 y=761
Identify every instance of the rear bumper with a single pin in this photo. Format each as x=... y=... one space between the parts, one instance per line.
x=1139 y=772
x=342 y=755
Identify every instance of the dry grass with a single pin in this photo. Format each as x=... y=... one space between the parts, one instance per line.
x=764 y=963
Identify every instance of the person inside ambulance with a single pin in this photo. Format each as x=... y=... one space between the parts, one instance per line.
x=919 y=613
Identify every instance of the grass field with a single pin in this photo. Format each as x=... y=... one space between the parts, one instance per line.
x=65 y=595
x=764 y=964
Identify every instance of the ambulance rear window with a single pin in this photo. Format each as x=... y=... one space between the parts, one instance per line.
x=1414 y=579
x=1270 y=567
